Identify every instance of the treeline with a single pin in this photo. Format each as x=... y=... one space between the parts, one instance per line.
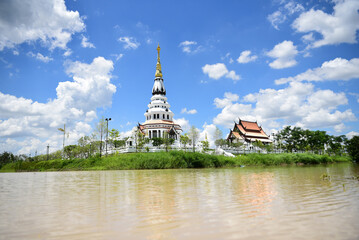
x=172 y=159
x=297 y=139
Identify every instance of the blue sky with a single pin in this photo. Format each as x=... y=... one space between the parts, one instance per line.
x=278 y=62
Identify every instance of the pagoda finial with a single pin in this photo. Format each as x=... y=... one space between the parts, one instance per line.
x=158 y=65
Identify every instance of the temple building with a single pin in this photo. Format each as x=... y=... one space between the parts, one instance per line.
x=159 y=117
x=246 y=131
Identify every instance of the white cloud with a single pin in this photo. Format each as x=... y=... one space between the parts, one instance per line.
x=284 y=53
x=298 y=104
x=227 y=100
x=192 y=111
x=47 y=20
x=281 y=15
x=215 y=71
x=129 y=42
x=351 y=134
x=184 y=123
x=276 y=19
x=67 y=53
x=118 y=56
x=209 y=132
x=339 y=128
x=40 y=57
x=186 y=46
x=85 y=43
x=339 y=27
x=246 y=58
x=334 y=70
x=232 y=75
x=218 y=70
x=75 y=105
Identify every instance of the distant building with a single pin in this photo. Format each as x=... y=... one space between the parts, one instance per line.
x=246 y=131
x=159 y=117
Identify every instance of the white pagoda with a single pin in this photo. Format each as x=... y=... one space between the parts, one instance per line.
x=159 y=117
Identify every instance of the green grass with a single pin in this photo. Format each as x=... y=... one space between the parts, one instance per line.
x=173 y=159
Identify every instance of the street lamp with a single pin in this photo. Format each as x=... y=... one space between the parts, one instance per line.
x=107 y=119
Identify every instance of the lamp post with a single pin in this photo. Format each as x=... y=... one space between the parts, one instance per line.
x=107 y=119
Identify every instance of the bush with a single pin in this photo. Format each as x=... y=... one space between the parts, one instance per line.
x=353 y=148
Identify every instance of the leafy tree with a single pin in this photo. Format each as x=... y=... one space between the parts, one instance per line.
x=157 y=141
x=217 y=136
x=221 y=142
x=352 y=146
x=6 y=157
x=140 y=140
x=185 y=140
x=167 y=141
x=336 y=144
x=205 y=145
x=114 y=135
x=193 y=134
x=258 y=144
x=119 y=143
x=101 y=132
x=237 y=145
x=70 y=151
x=269 y=147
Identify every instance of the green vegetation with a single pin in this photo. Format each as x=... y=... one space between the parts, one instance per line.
x=353 y=148
x=172 y=159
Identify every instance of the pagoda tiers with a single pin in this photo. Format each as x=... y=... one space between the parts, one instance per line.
x=159 y=117
x=246 y=131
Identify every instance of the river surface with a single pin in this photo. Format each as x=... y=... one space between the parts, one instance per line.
x=238 y=203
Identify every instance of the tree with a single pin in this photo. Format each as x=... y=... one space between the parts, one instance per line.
x=220 y=142
x=352 y=146
x=6 y=157
x=140 y=140
x=157 y=141
x=217 y=136
x=258 y=144
x=184 y=140
x=205 y=145
x=167 y=141
x=193 y=134
x=114 y=134
x=101 y=131
x=336 y=144
x=70 y=151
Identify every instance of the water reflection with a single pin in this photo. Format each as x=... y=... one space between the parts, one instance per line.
x=245 y=203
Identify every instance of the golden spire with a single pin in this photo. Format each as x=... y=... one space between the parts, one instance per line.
x=158 y=65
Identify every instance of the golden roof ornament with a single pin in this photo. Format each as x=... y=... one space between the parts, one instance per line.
x=158 y=65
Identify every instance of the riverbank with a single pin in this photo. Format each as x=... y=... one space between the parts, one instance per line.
x=168 y=160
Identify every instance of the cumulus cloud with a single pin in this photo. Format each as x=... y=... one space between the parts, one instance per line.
x=85 y=43
x=75 y=105
x=227 y=100
x=218 y=70
x=192 y=111
x=129 y=42
x=246 y=57
x=299 y=104
x=338 y=27
x=334 y=70
x=184 y=123
x=40 y=57
x=46 y=20
x=351 y=134
x=284 y=53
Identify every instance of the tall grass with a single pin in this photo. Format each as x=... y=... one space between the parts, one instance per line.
x=173 y=159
